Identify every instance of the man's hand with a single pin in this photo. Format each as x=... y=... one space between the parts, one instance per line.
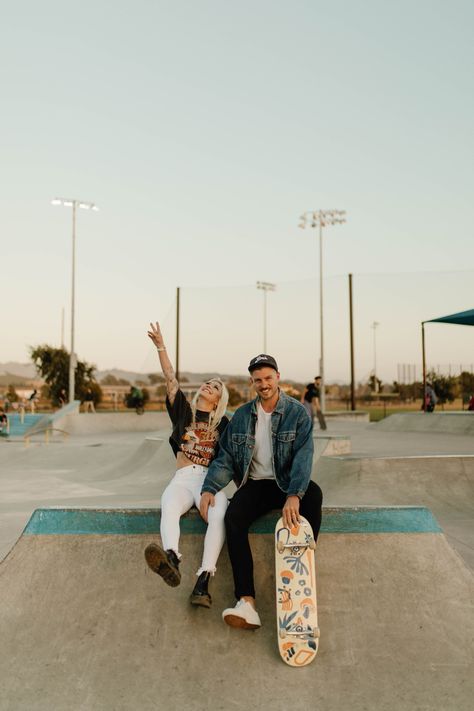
x=291 y=512
x=207 y=499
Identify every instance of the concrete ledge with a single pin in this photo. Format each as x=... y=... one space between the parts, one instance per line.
x=89 y=423
x=348 y=415
x=406 y=519
x=331 y=445
x=448 y=422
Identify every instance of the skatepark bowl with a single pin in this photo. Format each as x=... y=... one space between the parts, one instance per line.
x=86 y=626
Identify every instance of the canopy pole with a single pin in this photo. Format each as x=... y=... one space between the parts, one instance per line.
x=424 y=363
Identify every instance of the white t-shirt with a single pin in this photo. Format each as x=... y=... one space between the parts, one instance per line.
x=261 y=464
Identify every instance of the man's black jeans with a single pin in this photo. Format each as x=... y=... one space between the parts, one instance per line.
x=254 y=499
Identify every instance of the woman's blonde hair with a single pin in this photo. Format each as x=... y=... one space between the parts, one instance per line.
x=216 y=415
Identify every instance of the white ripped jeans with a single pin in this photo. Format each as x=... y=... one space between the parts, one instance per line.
x=182 y=492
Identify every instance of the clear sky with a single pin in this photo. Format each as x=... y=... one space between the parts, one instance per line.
x=203 y=130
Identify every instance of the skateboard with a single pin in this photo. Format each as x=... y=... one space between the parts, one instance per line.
x=295 y=579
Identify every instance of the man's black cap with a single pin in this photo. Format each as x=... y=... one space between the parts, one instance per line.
x=263 y=361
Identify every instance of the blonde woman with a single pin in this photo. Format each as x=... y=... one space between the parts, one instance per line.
x=197 y=428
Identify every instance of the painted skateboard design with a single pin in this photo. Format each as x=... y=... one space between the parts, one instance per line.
x=295 y=578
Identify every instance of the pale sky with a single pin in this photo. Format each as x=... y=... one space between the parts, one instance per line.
x=203 y=130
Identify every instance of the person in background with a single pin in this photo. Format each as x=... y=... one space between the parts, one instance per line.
x=32 y=401
x=89 y=401
x=3 y=423
x=311 y=402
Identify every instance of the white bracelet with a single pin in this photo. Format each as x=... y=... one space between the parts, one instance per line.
x=161 y=349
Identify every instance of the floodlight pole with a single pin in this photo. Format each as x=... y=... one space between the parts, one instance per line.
x=321 y=218
x=72 y=357
x=375 y=324
x=70 y=202
x=424 y=364
x=265 y=286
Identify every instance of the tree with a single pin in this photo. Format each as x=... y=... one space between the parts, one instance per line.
x=466 y=385
x=110 y=379
x=156 y=378
x=53 y=365
x=12 y=394
x=445 y=386
x=235 y=398
x=375 y=384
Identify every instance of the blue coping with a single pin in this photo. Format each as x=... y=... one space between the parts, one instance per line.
x=409 y=519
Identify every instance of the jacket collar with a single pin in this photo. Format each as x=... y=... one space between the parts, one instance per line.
x=279 y=407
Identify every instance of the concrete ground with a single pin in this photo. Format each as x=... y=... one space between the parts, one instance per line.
x=395 y=608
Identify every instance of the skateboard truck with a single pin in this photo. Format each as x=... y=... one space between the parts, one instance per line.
x=311 y=544
x=314 y=633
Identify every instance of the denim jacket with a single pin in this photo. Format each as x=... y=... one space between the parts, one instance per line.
x=292 y=444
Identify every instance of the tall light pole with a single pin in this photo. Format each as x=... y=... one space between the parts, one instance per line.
x=320 y=219
x=375 y=324
x=265 y=286
x=68 y=202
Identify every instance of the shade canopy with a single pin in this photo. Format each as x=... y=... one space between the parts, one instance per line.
x=464 y=318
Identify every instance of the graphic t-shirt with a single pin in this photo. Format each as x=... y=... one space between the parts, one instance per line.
x=196 y=440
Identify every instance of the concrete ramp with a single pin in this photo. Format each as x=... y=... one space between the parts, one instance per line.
x=86 y=626
x=445 y=484
x=448 y=422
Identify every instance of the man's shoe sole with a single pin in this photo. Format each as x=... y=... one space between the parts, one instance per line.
x=157 y=561
x=201 y=600
x=240 y=623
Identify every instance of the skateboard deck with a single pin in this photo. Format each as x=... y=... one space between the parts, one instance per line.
x=295 y=578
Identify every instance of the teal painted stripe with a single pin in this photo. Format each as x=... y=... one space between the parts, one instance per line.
x=138 y=521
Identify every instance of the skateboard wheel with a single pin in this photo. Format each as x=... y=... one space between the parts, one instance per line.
x=280 y=547
x=282 y=634
x=315 y=633
x=312 y=544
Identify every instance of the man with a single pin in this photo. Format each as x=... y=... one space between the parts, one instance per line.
x=311 y=402
x=267 y=449
x=89 y=401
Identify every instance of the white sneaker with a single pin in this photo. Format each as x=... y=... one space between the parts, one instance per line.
x=242 y=615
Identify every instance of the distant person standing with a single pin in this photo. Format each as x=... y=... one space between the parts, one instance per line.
x=32 y=401
x=430 y=398
x=311 y=401
x=3 y=424
x=470 y=404
x=62 y=398
x=22 y=409
x=89 y=401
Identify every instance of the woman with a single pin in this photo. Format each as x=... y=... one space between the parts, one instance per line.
x=197 y=428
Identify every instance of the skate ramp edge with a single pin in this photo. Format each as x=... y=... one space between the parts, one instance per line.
x=460 y=423
x=336 y=520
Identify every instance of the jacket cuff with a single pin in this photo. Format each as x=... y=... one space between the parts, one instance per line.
x=209 y=490
x=299 y=494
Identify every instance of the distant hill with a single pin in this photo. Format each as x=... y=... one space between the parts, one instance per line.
x=24 y=370
x=132 y=377
x=11 y=379
x=16 y=373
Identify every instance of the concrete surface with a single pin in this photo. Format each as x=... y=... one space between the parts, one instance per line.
x=85 y=625
x=444 y=484
x=448 y=422
x=88 y=627
x=88 y=423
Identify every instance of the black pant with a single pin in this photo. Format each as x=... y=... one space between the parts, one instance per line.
x=254 y=499
x=321 y=420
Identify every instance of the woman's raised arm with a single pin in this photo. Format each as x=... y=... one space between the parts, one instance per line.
x=172 y=384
